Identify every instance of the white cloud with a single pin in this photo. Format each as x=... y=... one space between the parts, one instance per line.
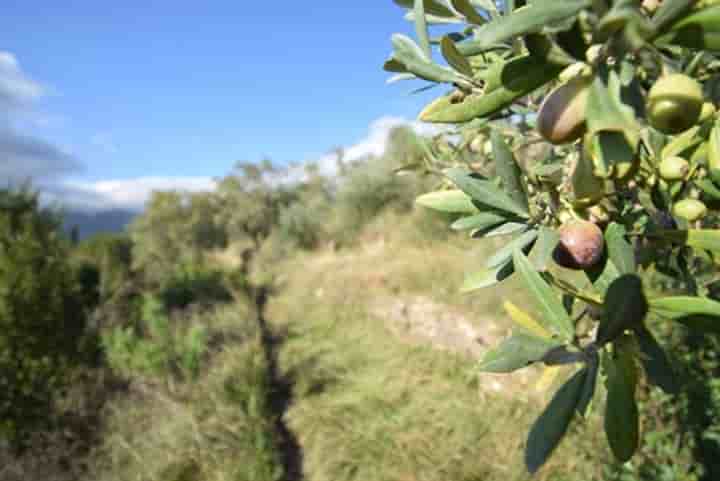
x=374 y=144
x=121 y=194
x=134 y=193
x=17 y=90
x=23 y=156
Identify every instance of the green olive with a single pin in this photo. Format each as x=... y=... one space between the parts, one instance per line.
x=690 y=209
x=674 y=103
x=561 y=117
x=581 y=245
x=707 y=112
x=674 y=168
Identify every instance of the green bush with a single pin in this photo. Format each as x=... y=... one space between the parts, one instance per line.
x=155 y=348
x=192 y=284
x=41 y=316
x=110 y=255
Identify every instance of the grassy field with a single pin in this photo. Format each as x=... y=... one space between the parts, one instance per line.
x=374 y=404
x=217 y=428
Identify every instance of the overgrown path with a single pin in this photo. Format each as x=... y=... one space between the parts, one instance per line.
x=280 y=397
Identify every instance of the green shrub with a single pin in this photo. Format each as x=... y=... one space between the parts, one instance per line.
x=41 y=316
x=155 y=348
x=110 y=255
x=191 y=285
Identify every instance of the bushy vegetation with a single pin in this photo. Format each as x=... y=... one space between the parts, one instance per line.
x=41 y=314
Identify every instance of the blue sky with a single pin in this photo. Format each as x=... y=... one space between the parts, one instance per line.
x=165 y=88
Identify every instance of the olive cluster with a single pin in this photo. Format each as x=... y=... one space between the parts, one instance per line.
x=675 y=108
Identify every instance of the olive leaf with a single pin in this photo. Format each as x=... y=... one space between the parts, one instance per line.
x=588 y=390
x=624 y=307
x=681 y=143
x=468 y=11
x=487 y=277
x=506 y=252
x=453 y=201
x=699 y=30
x=549 y=429
x=547 y=241
x=516 y=352
x=530 y=19
x=553 y=313
x=668 y=12
x=421 y=29
x=708 y=239
x=605 y=109
x=525 y=320
x=655 y=361
x=604 y=272
x=507 y=228
x=518 y=77
x=507 y=169
x=620 y=252
x=432 y=7
x=621 y=411
x=484 y=191
x=416 y=61
x=698 y=313
x=709 y=188
x=454 y=57
x=482 y=220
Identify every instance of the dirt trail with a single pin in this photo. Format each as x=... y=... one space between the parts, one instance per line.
x=421 y=320
x=281 y=394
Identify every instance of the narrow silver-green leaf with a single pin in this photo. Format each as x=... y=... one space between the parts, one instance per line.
x=487 y=277
x=454 y=58
x=668 y=12
x=416 y=61
x=505 y=253
x=507 y=169
x=421 y=28
x=549 y=429
x=432 y=7
x=518 y=77
x=588 y=391
x=530 y=19
x=516 y=352
x=547 y=241
x=482 y=220
x=708 y=239
x=709 y=188
x=484 y=191
x=625 y=307
x=553 y=313
x=674 y=307
x=620 y=252
x=621 y=411
x=468 y=11
x=505 y=229
x=448 y=201
x=656 y=363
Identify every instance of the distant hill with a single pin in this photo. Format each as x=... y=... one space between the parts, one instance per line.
x=89 y=223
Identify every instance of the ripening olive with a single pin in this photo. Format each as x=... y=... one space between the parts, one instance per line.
x=674 y=103
x=674 y=168
x=561 y=117
x=581 y=245
x=690 y=209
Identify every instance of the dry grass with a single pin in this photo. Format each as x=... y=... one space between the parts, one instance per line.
x=216 y=429
x=370 y=407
